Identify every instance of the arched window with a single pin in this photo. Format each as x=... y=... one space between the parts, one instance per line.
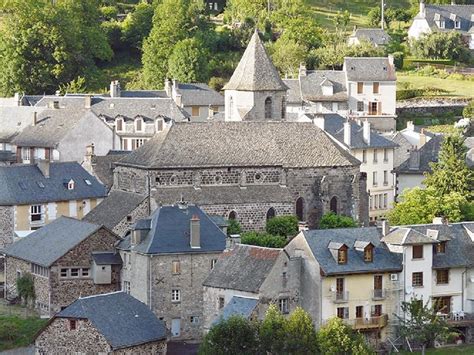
x=268 y=107
x=333 y=205
x=138 y=124
x=270 y=213
x=233 y=215
x=283 y=108
x=300 y=208
x=119 y=124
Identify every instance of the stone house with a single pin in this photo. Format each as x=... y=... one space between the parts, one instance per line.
x=437 y=268
x=444 y=18
x=166 y=259
x=374 y=151
x=376 y=36
x=247 y=279
x=67 y=258
x=249 y=171
x=112 y=323
x=32 y=196
x=348 y=273
x=364 y=89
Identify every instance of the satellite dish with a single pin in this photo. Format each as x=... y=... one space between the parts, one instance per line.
x=408 y=290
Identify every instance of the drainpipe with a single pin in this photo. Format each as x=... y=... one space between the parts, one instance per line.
x=462 y=289
x=150 y=280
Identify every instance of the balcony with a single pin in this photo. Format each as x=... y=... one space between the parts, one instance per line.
x=458 y=318
x=371 y=323
x=379 y=294
x=340 y=297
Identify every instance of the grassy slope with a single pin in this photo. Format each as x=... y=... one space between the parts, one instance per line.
x=455 y=87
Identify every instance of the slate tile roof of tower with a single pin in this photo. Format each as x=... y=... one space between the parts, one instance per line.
x=256 y=71
x=213 y=144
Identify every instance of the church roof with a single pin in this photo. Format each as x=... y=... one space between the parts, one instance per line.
x=256 y=71
x=217 y=144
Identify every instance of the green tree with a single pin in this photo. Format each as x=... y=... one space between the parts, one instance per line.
x=336 y=338
x=300 y=333
x=263 y=240
x=173 y=21
x=137 y=25
x=341 y=20
x=189 y=62
x=451 y=173
x=234 y=227
x=25 y=286
x=441 y=45
x=287 y=55
x=282 y=225
x=234 y=336
x=239 y=10
x=304 y=31
x=272 y=332
x=331 y=220
x=468 y=111
x=422 y=324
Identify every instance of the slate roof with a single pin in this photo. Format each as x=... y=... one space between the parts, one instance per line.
x=123 y=320
x=369 y=69
x=210 y=195
x=243 y=268
x=130 y=108
x=51 y=128
x=103 y=166
x=238 y=306
x=14 y=119
x=212 y=144
x=319 y=239
x=311 y=85
x=114 y=208
x=7 y=156
x=170 y=232
x=143 y=93
x=199 y=94
x=373 y=35
x=106 y=258
x=407 y=236
x=334 y=125
x=463 y=12
x=23 y=184
x=293 y=95
x=428 y=154
x=255 y=71
x=49 y=243
x=402 y=151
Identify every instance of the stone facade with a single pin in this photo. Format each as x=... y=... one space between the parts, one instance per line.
x=251 y=105
x=53 y=291
x=142 y=211
x=317 y=186
x=6 y=225
x=57 y=339
x=157 y=269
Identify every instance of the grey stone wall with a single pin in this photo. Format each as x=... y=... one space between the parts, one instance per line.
x=142 y=211
x=6 y=225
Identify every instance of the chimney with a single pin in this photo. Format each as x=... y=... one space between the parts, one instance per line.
x=89 y=159
x=347 y=133
x=414 y=160
x=453 y=2
x=87 y=101
x=168 y=87
x=366 y=132
x=35 y=118
x=391 y=60
x=422 y=138
x=303 y=72
x=140 y=231
x=422 y=8
x=178 y=100
x=43 y=165
x=319 y=121
x=438 y=220
x=410 y=126
x=115 y=88
x=17 y=99
x=195 y=232
x=385 y=227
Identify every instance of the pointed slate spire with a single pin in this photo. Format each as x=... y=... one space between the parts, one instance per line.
x=256 y=71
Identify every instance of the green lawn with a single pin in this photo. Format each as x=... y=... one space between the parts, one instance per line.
x=455 y=87
x=465 y=349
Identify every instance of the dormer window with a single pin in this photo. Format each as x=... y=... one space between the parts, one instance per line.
x=119 y=124
x=369 y=253
x=442 y=24
x=457 y=24
x=159 y=125
x=440 y=248
x=342 y=255
x=139 y=124
x=70 y=185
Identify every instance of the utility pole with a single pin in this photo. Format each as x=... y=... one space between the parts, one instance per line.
x=382 y=19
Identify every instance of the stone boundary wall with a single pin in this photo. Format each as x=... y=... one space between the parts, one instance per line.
x=431 y=107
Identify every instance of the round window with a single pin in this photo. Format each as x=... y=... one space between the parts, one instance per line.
x=218 y=179
x=173 y=180
x=258 y=177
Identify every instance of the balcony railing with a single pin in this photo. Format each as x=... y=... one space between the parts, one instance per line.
x=340 y=297
x=379 y=294
x=370 y=323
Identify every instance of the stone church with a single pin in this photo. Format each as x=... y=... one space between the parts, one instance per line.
x=253 y=166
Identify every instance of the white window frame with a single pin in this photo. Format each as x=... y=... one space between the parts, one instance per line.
x=175 y=295
x=283 y=305
x=36 y=210
x=126 y=287
x=25 y=153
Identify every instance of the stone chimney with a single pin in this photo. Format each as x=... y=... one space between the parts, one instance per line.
x=168 y=87
x=422 y=8
x=17 y=99
x=88 y=162
x=87 y=101
x=195 y=232
x=366 y=132
x=385 y=227
x=422 y=138
x=414 y=160
x=44 y=165
x=35 y=118
x=139 y=231
x=453 y=2
x=410 y=126
x=391 y=60
x=438 y=220
x=347 y=133
x=115 y=88
x=303 y=72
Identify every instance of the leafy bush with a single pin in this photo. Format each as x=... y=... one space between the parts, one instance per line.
x=282 y=225
x=217 y=83
x=26 y=287
x=468 y=111
x=109 y=12
x=234 y=227
x=331 y=220
x=406 y=94
x=263 y=240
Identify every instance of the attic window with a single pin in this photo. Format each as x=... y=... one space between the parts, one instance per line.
x=72 y=324
x=70 y=185
x=40 y=184
x=369 y=253
x=342 y=255
x=440 y=248
x=88 y=182
x=22 y=185
x=457 y=24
